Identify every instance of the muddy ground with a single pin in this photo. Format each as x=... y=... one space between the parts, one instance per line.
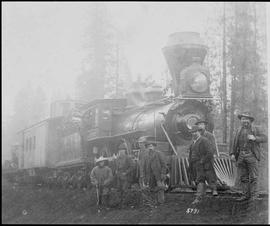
x=37 y=204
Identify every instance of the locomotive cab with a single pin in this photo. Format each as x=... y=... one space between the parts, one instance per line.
x=97 y=119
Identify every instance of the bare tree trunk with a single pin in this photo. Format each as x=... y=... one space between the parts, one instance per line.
x=224 y=83
x=255 y=103
x=233 y=85
x=117 y=70
x=245 y=68
x=232 y=110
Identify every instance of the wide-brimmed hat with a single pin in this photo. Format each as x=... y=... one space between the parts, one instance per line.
x=194 y=128
x=201 y=121
x=150 y=140
x=247 y=115
x=122 y=147
x=100 y=159
x=142 y=139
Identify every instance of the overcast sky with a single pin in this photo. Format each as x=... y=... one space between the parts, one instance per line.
x=43 y=41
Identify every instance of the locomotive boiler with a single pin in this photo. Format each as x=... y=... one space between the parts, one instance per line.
x=169 y=119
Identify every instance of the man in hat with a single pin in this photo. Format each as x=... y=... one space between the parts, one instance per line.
x=101 y=177
x=200 y=161
x=143 y=162
x=124 y=167
x=157 y=169
x=246 y=151
x=202 y=125
x=212 y=178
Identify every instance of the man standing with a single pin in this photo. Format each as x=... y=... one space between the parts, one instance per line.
x=202 y=125
x=200 y=162
x=213 y=178
x=246 y=153
x=101 y=177
x=124 y=167
x=157 y=169
x=143 y=162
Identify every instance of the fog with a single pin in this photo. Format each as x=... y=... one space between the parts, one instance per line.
x=43 y=42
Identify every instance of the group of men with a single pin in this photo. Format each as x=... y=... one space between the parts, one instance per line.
x=202 y=151
x=152 y=170
x=245 y=152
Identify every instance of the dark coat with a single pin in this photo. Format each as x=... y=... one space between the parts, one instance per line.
x=157 y=164
x=124 y=164
x=144 y=163
x=212 y=140
x=203 y=159
x=255 y=145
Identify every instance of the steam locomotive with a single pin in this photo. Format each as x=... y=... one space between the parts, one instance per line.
x=63 y=148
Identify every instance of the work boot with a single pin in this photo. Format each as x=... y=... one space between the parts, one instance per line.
x=246 y=191
x=197 y=200
x=214 y=189
x=214 y=193
x=200 y=193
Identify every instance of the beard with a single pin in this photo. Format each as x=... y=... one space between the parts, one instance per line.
x=195 y=136
x=246 y=124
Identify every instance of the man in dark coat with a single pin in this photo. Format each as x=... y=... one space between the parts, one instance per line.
x=202 y=124
x=246 y=152
x=143 y=162
x=124 y=168
x=157 y=169
x=201 y=162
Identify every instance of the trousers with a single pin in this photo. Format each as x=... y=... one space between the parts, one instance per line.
x=201 y=175
x=248 y=169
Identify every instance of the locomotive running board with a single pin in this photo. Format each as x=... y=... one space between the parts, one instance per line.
x=136 y=133
x=196 y=98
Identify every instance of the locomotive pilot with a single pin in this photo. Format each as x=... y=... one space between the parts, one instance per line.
x=213 y=180
x=101 y=176
x=246 y=151
x=123 y=171
x=200 y=161
x=157 y=169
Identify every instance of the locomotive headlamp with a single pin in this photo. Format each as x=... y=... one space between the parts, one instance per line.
x=199 y=82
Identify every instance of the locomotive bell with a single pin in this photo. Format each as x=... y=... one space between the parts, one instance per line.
x=184 y=49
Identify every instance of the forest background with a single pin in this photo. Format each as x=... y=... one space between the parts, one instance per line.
x=88 y=50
